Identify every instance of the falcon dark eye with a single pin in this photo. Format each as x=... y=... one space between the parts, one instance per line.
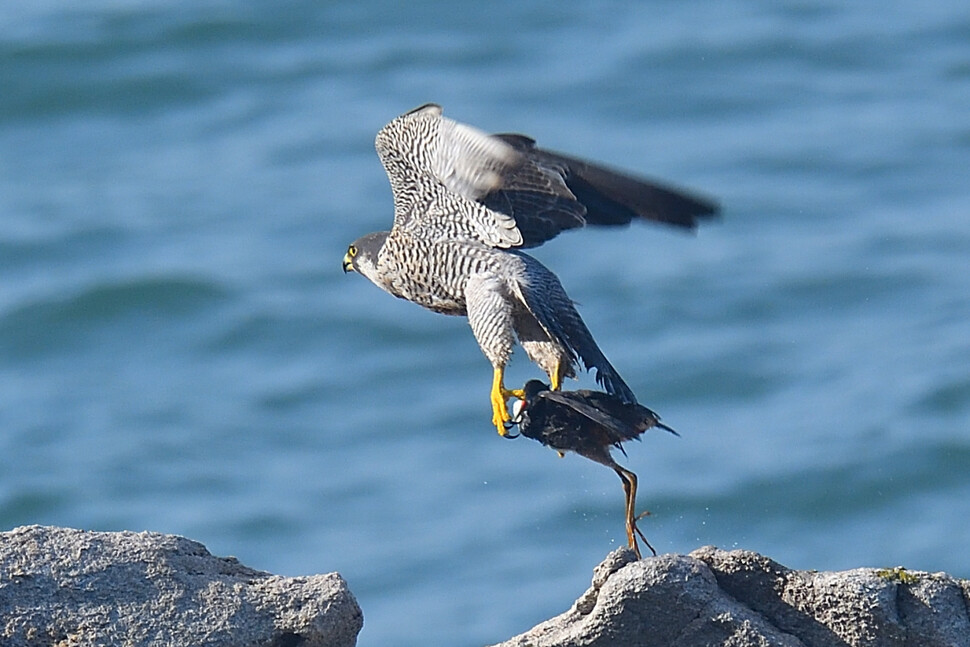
x=352 y=251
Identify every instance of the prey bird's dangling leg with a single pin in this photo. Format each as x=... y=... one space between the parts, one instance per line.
x=637 y=529
x=500 y=413
x=630 y=490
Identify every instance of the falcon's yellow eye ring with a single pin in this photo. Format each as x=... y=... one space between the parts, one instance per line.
x=352 y=251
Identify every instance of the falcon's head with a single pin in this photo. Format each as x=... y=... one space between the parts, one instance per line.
x=362 y=254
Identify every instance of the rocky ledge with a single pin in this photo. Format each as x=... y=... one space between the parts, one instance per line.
x=742 y=599
x=66 y=588
x=69 y=588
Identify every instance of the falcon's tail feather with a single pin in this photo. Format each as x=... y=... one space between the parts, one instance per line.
x=543 y=294
x=581 y=342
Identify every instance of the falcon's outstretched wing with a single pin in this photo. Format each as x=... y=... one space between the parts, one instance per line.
x=438 y=169
x=451 y=180
x=532 y=193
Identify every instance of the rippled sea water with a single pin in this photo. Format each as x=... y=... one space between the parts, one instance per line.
x=180 y=352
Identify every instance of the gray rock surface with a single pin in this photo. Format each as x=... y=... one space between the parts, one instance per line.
x=740 y=598
x=70 y=588
x=66 y=588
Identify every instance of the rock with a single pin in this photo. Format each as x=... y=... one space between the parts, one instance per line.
x=741 y=599
x=68 y=588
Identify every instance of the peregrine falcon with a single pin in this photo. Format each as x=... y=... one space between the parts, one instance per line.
x=589 y=423
x=465 y=204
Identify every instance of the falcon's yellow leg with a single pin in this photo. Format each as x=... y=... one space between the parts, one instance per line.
x=555 y=378
x=500 y=413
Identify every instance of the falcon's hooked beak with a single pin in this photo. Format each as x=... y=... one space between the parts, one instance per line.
x=348 y=264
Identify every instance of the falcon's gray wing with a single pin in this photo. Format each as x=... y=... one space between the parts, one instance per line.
x=450 y=180
x=438 y=169
x=551 y=192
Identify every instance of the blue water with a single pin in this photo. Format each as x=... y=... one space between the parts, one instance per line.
x=180 y=352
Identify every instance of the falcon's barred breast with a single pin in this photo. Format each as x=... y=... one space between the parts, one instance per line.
x=466 y=203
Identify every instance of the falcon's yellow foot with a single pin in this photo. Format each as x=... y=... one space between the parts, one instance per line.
x=500 y=413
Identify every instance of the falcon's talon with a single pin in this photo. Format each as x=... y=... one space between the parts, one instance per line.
x=500 y=412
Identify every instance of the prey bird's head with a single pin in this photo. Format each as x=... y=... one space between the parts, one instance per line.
x=531 y=390
x=361 y=256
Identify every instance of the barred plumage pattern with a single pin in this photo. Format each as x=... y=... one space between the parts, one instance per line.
x=464 y=201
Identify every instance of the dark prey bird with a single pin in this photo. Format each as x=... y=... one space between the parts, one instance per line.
x=590 y=423
x=466 y=203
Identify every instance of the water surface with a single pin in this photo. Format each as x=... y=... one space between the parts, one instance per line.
x=180 y=352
